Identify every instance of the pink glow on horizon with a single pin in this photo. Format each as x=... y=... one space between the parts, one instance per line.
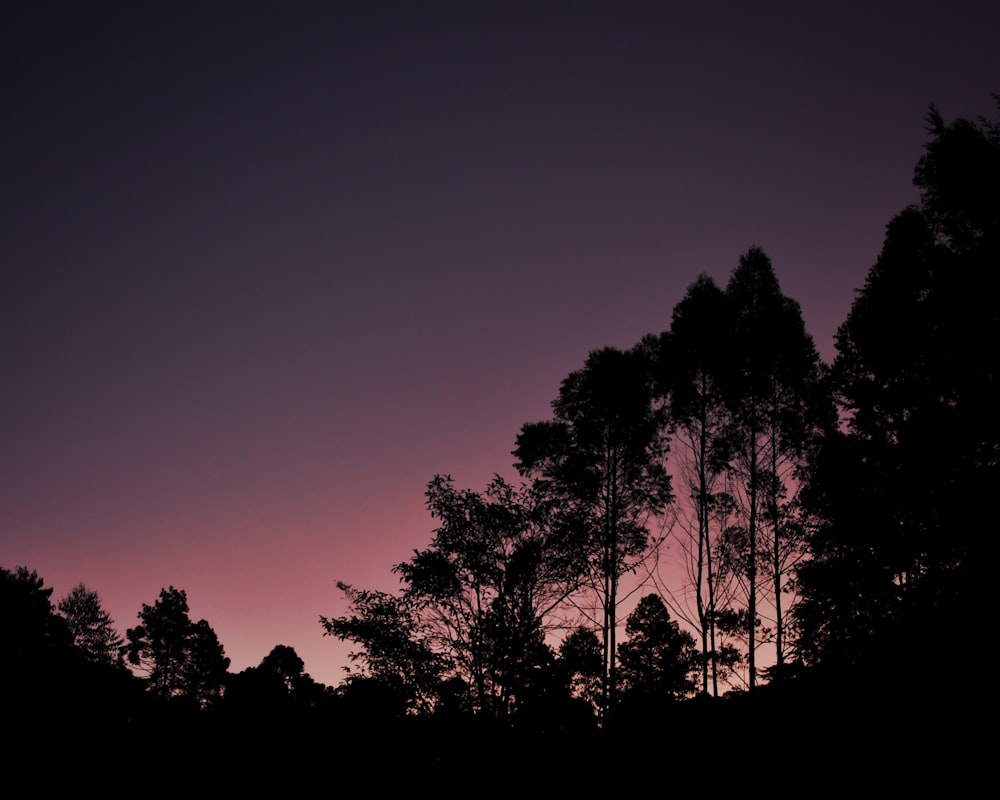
x=265 y=275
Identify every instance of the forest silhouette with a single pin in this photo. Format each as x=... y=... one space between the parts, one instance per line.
x=829 y=516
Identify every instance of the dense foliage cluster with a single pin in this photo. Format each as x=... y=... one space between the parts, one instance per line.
x=827 y=514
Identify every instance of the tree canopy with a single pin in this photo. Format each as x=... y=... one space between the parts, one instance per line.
x=92 y=627
x=181 y=659
x=600 y=462
x=898 y=543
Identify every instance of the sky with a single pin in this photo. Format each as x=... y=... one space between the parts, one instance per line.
x=268 y=268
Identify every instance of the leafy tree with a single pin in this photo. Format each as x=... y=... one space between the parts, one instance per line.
x=92 y=627
x=848 y=595
x=777 y=408
x=690 y=363
x=32 y=632
x=898 y=545
x=474 y=603
x=45 y=682
x=393 y=652
x=582 y=663
x=278 y=687
x=207 y=665
x=36 y=653
x=600 y=461
x=493 y=574
x=285 y=665
x=659 y=660
x=180 y=658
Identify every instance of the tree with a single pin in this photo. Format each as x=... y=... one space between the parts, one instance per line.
x=32 y=632
x=92 y=627
x=181 y=659
x=393 y=652
x=600 y=461
x=659 y=660
x=690 y=364
x=582 y=662
x=207 y=665
x=36 y=651
x=285 y=665
x=46 y=683
x=276 y=689
x=776 y=408
x=474 y=604
x=898 y=546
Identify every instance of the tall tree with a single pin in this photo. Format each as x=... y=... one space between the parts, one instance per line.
x=689 y=363
x=180 y=658
x=601 y=462
x=776 y=406
x=207 y=666
x=92 y=627
x=921 y=446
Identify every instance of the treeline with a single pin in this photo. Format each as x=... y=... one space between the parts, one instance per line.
x=828 y=518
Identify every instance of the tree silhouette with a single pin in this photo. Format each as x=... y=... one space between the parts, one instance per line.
x=33 y=632
x=659 y=660
x=776 y=406
x=899 y=546
x=35 y=649
x=181 y=659
x=582 y=662
x=600 y=460
x=92 y=627
x=393 y=654
x=690 y=364
x=278 y=691
x=474 y=604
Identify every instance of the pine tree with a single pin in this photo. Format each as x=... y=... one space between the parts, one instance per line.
x=92 y=627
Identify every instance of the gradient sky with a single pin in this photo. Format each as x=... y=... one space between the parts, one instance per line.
x=267 y=268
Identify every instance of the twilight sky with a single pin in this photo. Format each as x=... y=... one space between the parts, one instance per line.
x=267 y=268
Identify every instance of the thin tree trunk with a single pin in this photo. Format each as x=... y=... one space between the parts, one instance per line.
x=775 y=486
x=752 y=602
x=703 y=550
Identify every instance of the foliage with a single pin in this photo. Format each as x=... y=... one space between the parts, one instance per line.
x=474 y=603
x=582 y=663
x=45 y=681
x=32 y=632
x=777 y=408
x=387 y=628
x=275 y=690
x=180 y=658
x=600 y=462
x=658 y=659
x=898 y=544
x=690 y=364
x=92 y=627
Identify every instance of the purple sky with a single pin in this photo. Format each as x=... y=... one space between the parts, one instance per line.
x=268 y=268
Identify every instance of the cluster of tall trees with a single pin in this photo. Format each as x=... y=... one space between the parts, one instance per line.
x=737 y=381
x=825 y=514
x=898 y=494
x=821 y=517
